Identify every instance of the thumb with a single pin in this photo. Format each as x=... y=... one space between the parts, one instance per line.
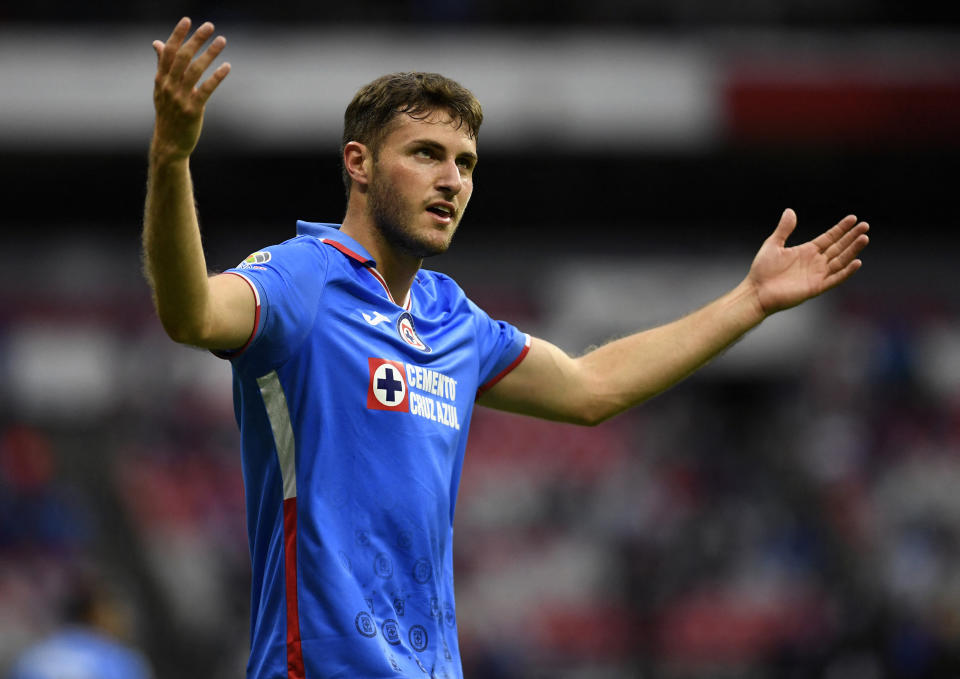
x=788 y=222
x=158 y=48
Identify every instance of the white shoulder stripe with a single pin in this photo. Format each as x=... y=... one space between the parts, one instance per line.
x=275 y=402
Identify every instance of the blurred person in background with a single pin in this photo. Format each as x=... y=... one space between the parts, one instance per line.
x=90 y=645
x=356 y=371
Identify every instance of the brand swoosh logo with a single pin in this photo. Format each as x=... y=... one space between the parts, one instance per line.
x=376 y=319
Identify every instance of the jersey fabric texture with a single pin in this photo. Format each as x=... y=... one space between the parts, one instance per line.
x=353 y=411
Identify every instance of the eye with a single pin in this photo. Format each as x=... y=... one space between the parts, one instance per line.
x=465 y=164
x=423 y=152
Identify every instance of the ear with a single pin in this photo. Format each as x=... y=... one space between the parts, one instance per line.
x=358 y=161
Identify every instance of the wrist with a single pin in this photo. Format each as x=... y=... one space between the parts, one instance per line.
x=747 y=297
x=163 y=157
x=166 y=151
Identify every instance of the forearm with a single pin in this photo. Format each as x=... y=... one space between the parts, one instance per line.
x=173 y=256
x=596 y=386
x=633 y=369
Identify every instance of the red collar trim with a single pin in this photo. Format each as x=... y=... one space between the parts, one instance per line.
x=369 y=264
x=366 y=261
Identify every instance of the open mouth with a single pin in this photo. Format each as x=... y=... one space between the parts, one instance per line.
x=444 y=212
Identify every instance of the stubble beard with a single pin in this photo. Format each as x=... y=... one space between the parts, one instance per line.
x=392 y=220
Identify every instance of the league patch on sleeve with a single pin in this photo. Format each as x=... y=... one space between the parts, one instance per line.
x=261 y=257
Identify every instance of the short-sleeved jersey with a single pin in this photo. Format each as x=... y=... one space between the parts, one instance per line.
x=353 y=412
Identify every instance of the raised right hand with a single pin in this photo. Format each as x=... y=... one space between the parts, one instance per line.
x=178 y=100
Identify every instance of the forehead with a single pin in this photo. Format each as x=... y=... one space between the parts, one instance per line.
x=437 y=126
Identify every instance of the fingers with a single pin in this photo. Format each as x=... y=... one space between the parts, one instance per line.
x=844 y=257
x=201 y=63
x=842 y=274
x=788 y=222
x=190 y=48
x=847 y=239
x=211 y=83
x=173 y=43
x=826 y=239
x=175 y=57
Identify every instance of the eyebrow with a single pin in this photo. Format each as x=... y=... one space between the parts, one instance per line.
x=440 y=147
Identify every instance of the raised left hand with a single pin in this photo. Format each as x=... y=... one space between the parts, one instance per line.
x=786 y=276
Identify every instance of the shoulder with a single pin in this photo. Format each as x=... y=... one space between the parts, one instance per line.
x=290 y=255
x=304 y=246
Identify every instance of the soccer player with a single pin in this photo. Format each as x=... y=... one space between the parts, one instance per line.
x=356 y=371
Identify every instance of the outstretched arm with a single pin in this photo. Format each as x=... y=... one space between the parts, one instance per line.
x=548 y=383
x=218 y=312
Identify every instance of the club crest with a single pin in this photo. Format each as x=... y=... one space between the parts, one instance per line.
x=408 y=332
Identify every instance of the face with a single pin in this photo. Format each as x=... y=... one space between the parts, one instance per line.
x=420 y=183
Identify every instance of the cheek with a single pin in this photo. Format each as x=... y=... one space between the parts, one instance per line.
x=467 y=191
x=409 y=180
x=398 y=186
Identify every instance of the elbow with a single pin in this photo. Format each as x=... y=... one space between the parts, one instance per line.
x=180 y=335
x=597 y=418
x=598 y=407
x=591 y=413
x=587 y=420
x=183 y=332
x=183 y=323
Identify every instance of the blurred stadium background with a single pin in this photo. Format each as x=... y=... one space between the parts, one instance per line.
x=792 y=511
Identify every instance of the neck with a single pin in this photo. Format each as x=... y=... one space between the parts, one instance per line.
x=397 y=268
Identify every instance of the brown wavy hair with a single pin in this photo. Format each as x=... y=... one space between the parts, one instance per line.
x=369 y=117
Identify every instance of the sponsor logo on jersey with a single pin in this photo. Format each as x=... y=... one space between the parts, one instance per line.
x=409 y=334
x=409 y=388
x=261 y=257
x=388 y=386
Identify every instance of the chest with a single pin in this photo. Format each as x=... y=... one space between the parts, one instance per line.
x=417 y=370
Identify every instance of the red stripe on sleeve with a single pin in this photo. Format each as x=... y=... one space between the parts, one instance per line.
x=506 y=371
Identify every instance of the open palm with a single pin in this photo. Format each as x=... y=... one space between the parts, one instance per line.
x=786 y=276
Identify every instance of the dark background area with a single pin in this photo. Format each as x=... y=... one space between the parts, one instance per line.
x=691 y=202
x=820 y=14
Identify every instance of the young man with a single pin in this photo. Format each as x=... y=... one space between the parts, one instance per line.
x=356 y=371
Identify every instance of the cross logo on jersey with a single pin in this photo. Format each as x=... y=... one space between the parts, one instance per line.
x=388 y=386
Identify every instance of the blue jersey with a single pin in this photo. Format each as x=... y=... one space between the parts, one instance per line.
x=353 y=412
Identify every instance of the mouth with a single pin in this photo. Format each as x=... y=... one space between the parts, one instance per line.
x=443 y=212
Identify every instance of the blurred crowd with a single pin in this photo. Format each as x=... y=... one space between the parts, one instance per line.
x=762 y=525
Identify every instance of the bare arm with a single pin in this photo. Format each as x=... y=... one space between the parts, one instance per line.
x=218 y=312
x=548 y=383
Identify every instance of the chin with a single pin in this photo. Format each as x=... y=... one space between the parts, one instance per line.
x=436 y=251
x=432 y=249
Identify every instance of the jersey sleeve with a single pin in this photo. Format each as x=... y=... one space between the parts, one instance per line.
x=501 y=348
x=287 y=280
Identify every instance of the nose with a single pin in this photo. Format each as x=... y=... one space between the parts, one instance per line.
x=450 y=181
